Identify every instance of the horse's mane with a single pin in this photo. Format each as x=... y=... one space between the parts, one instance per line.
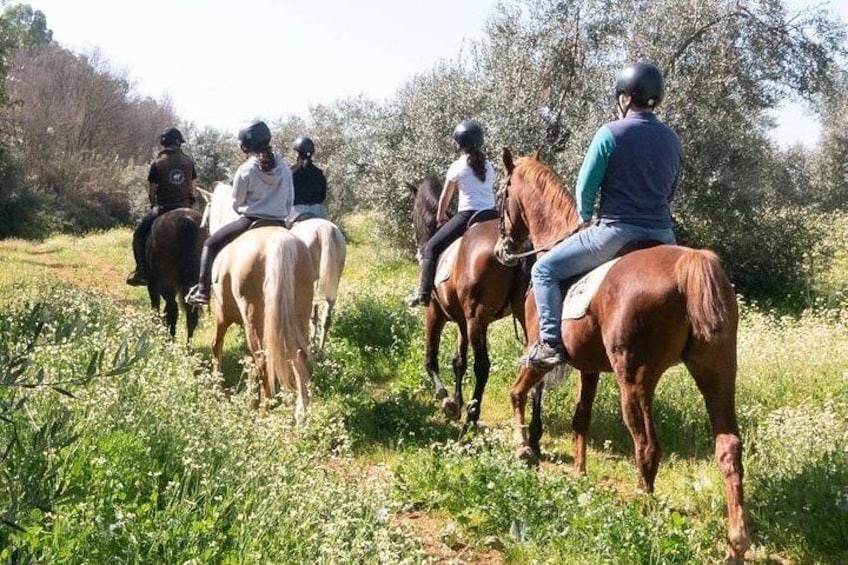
x=561 y=209
x=426 y=204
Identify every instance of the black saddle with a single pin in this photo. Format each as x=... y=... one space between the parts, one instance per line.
x=482 y=216
x=262 y=222
x=304 y=216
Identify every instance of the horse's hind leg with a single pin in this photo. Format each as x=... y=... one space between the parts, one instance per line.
x=171 y=314
x=636 y=385
x=300 y=367
x=715 y=376
x=192 y=315
x=588 y=387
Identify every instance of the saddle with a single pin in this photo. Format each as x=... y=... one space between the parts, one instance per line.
x=579 y=291
x=447 y=259
x=262 y=223
x=303 y=216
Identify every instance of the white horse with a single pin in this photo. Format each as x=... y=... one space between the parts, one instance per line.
x=327 y=246
x=263 y=280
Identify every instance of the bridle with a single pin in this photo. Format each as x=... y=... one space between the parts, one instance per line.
x=503 y=215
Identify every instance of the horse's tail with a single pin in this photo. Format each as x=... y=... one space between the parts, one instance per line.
x=333 y=256
x=285 y=334
x=710 y=300
x=187 y=234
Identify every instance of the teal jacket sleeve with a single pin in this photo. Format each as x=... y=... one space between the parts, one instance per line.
x=592 y=172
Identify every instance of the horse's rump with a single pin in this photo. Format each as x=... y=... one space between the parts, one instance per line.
x=667 y=285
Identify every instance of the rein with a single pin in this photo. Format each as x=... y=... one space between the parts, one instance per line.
x=503 y=213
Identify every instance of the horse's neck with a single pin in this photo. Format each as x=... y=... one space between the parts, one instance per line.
x=550 y=219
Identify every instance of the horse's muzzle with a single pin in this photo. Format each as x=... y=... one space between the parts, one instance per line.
x=502 y=253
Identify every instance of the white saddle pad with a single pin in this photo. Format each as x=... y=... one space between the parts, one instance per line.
x=446 y=262
x=582 y=292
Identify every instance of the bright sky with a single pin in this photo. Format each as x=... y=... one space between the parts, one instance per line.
x=223 y=62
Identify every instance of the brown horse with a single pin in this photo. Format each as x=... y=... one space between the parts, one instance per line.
x=655 y=308
x=479 y=291
x=263 y=280
x=172 y=252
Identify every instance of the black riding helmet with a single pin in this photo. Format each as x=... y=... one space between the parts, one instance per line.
x=468 y=134
x=643 y=82
x=255 y=136
x=171 y=136
x=304 y=147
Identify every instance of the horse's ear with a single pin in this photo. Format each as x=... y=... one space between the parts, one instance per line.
x=412 y=188
x=205 y=194
x=535 y=154
x=509 y=165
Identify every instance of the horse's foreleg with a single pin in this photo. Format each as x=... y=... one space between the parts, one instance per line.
x=314 y=327
x=221 y=327
x=587 y=388
x=326 y=319
x=435 y=323
x=452 y=406
x=526 y=380
x=636 y=396
x=534 y=441
x=479 y=343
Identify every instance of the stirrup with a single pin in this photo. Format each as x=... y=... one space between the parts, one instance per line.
x=544 y=356
x=196 y=296
x=136 y=279
x=418 y=299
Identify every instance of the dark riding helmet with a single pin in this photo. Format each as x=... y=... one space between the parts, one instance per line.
x=468 y=134
x=171 y=136
x=255 y=136
x=304 y=146
x=643 y=82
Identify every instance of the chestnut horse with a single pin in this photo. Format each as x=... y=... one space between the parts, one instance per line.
x=655 y=308
x=479 y=291
x=172 y=252
x=263 y=281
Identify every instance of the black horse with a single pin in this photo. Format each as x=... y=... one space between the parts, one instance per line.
x=172 y=252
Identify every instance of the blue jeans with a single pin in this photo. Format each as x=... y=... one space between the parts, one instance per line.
x=580 y=253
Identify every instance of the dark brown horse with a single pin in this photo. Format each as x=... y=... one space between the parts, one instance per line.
x=655 y=308
x=172 y=253
x=479 y=291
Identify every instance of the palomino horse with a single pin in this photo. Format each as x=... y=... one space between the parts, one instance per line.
x=479 y=291
x=327 y=247
x=172 y=252
x=262 y=280
x=655 y=308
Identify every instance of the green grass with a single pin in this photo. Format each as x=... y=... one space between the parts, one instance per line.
x=117 y=444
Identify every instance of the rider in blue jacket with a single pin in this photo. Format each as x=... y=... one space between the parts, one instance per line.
x=634 y=162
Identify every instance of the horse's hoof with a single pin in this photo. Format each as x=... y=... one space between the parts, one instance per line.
x=451 y=409
x=526 y=453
